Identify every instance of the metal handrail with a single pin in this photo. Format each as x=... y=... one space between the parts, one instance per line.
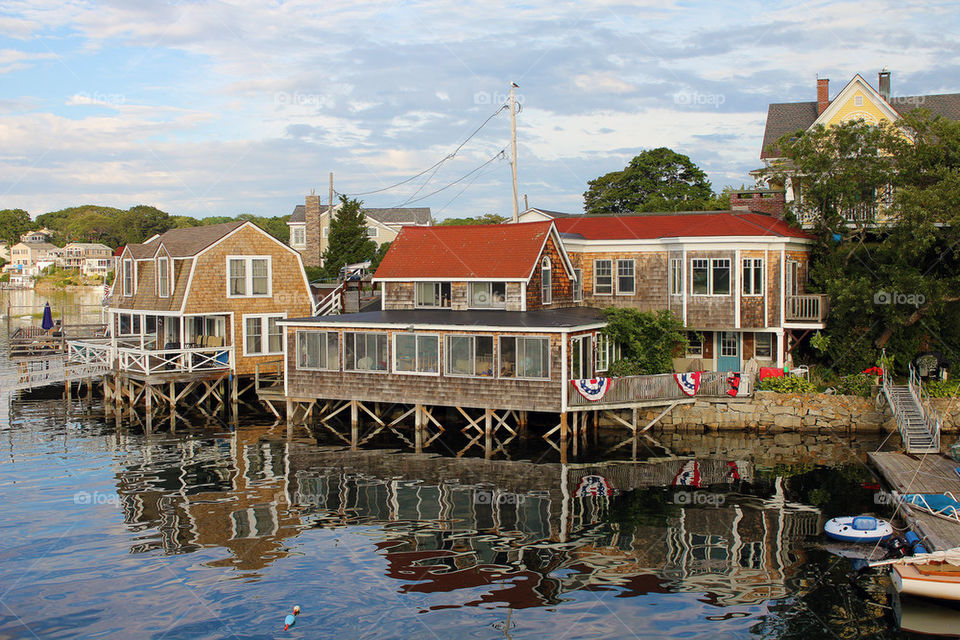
x=332 y=303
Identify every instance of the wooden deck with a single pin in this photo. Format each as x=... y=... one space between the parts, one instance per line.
x=922 y=474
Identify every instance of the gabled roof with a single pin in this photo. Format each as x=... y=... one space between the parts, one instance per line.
x=677 y=225
x=186 y=242
x=391 y=215
x=455 y=252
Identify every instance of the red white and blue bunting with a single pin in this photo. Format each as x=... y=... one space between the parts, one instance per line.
x=593 y=389
x=689 y=382
x=594 y=486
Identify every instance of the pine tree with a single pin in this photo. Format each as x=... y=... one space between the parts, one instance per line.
x=348 y=241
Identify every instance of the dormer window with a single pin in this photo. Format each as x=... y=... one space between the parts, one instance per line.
x=127 y=277
x=546 y=280
x=163 y=276
x=488 y=295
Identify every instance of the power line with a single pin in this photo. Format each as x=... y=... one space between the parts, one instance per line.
x=467 y=186
x=437 y=164
x=500 y=154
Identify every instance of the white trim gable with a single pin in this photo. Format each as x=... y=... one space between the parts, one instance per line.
x=846 y=94
x=567 y=265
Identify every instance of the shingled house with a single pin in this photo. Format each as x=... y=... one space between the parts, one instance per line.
x=310 y=226
x=857 y=100
x=209 y=295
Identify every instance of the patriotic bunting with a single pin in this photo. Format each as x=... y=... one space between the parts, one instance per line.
x=689 y=382
x=593 y=389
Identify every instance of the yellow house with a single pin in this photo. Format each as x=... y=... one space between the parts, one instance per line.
x=857 y=100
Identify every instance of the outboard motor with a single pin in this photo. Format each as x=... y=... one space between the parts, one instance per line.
x=897 y=547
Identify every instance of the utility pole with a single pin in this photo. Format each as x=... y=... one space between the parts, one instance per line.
x=329 y=215
x=513 y=146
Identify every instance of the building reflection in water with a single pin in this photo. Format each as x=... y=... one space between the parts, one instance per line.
x=518 y=533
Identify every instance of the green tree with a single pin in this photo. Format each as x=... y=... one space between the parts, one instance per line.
x=348 y=241
x=648 y=340
x=487 y=218
x=895 y=285
x=13 y=224
x=378 y=256
x=659 y=179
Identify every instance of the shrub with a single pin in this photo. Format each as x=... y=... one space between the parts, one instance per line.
x=943 y=389
x=858 y=384
x=787 y=384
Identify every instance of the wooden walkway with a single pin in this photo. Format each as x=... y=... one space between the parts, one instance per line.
x=933 y=473
x=41 y=372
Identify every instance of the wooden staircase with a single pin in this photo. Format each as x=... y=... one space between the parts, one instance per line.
x=919 y=425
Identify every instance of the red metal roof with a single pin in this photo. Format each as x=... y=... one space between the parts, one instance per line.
x=650 y=227
x=501 y=251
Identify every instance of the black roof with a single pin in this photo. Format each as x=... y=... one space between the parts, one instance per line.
x=546 y=320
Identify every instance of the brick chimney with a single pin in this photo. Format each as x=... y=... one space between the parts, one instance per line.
x=884 y=85
x=768 y=201
x=823 y=94
x=311 y=257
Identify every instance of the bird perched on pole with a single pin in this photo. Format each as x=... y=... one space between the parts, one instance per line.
x=291 y=618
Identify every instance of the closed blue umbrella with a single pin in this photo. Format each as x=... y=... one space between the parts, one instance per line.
x=47 y=322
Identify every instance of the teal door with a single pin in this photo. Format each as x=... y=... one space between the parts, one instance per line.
x=728 y=351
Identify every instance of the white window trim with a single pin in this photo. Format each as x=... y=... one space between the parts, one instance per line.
x=743 y=281
x=470 y=304
x=376 y=232
x=769 y=337
x=128 y=267
x=546 y=293
x=448 y=372
x=710 y=293
x=343 y=353
x=393 y=356
x=264 y=336
x=578 y=285
x=499 y=354
x=165 y=259
x=612 y=284
x=248 y=276
x=325 y=334
x=676 y=276
x=617 y=277
x=416 y=291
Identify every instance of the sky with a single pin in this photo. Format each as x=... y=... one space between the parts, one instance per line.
x=219 y=108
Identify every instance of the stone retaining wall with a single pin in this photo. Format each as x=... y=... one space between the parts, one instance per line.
x=772 y=411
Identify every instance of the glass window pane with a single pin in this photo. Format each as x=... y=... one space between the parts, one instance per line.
x=625 y=279
x=483 y=355
x=480 y=294
x=275 y=335
x=405 y=358
x=349 y=351
x=499 y=290
x=508 y=357
x=428 y=354
x=380 y=351
x=603 y=276
x=701 y=277
x=238 y=277
x=261 y=278
x=721 y=277
x=459 y=357
x=254 y=342
x=333 y=354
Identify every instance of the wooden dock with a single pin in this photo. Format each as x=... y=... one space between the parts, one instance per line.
x=933 y=473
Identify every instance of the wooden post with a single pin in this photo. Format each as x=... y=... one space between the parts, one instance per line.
x=289 y=413
x=522 y=420
x=354 y=427
x=117 y=391
x=234 y=397
x=148 y=406
x=418 y=428
x=576 y=432
x=487 y=433
x=563 y=438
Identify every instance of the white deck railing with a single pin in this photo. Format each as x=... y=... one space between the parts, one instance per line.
x=151 y=361
x=332 y=304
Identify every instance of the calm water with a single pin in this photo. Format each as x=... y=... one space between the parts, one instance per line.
x=217 y=531
x=214 y=532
